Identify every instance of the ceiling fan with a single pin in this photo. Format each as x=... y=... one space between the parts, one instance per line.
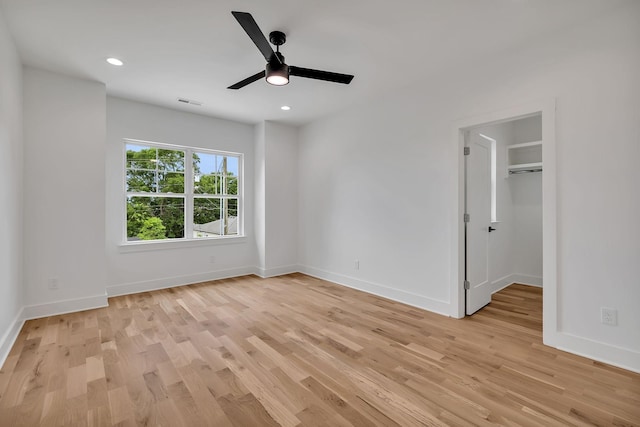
x=277 y=72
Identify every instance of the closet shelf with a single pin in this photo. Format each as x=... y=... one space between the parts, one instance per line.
x=524 y=157
x=525 y=144
x=525 y=167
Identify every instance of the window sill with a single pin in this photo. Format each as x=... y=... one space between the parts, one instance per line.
x=131 y=247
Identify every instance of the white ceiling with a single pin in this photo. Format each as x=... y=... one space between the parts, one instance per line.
x=195 y=48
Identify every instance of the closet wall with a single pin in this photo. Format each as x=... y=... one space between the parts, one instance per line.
x=526 y=197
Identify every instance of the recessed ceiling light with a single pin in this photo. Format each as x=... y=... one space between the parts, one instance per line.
x=285 y=108
x=115 y=61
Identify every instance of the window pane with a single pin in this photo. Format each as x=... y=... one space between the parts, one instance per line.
x=196 y=161
x=229 y=171
x=140 y=157
x=206 y=179
x=206 y=217
x=153 y=170
x=155 y=218
x=231 y=208
x=171 y=160
x=207 y=184
x=215 y=174
x=170 y=182
x=213 y=217
x=141 y=180
x=232 y=166
x=204 y=163
x=231 y=184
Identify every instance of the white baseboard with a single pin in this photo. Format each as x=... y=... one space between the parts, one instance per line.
x=65 y=306
x=510 y=279
x=276 y=271
x=9 y=337
x=425 y=303
x=169 y=282
x=501 y=283
x=526 y=279
x=613 y=355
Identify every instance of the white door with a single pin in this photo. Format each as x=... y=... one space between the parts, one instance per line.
x=478 y=207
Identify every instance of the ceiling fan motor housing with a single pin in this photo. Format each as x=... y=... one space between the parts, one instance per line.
x=277 y=72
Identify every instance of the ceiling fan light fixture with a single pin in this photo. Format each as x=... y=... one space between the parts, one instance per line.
x=277 y=74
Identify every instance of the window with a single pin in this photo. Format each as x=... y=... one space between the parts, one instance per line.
x=494 y=178
x=175 y=192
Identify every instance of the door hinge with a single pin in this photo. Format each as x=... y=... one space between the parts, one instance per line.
x=467 y=217
x=467 y=151
x=467 y=285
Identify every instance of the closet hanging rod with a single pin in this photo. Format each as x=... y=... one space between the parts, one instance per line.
x=518 y=172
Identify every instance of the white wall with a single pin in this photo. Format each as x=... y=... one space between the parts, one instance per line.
x=260 y=196
x=136 y=271
x=276 y=198
x=64 y=207
x=373 y=188
x=281 y=201
x=11 y=160
x=377 y=181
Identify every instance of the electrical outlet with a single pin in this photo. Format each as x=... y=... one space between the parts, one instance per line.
x=609 y=316
x=53 y=283
x=212 y=259
x=356 y=264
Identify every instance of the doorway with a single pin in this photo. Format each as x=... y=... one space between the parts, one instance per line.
x=503 y=206
x=546 y=111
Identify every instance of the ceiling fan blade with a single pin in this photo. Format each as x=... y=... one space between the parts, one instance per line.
x=248 y=80
x=255 y=33
x=320 y=75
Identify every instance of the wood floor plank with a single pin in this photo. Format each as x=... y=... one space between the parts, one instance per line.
x=299 y=351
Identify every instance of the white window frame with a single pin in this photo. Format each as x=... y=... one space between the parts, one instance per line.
x=188 y=196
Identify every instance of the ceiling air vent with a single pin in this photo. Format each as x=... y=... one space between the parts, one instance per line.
x=189 y=101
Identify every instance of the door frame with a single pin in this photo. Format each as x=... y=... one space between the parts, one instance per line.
x=547 y=108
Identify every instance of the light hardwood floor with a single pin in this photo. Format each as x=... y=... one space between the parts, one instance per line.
x=295 y=350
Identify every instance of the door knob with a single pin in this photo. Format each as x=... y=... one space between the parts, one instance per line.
x=491 y=229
